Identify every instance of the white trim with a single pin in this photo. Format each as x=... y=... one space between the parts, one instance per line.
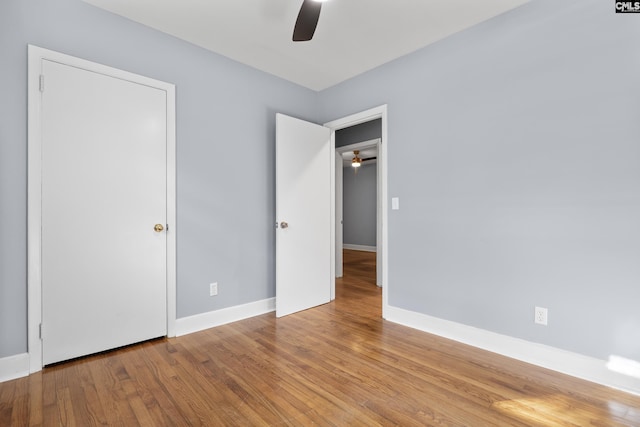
x=383 y=243
x=379 y=222
x=34 y=189
x=199 y=322
x=13 y=367
x=332 y=220
x=362 y=248
x=566 y=362
x=338 y=214
x=172 y=218
x=34 y=219
x=358 y=145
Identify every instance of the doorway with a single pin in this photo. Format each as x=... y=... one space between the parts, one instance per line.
x=358 y=215
x=382 y=228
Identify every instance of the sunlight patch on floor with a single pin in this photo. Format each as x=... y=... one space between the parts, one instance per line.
x=625 y=412
x=552 y=409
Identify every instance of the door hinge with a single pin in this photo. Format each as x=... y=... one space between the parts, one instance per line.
x=41 y=82
x=40 y=330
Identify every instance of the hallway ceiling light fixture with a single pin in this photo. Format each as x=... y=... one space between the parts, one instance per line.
x=356 y=161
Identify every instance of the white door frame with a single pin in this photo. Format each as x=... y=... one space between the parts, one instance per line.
x=339 y=209
x=338 y=216
x=34 y=190
x=352 y=120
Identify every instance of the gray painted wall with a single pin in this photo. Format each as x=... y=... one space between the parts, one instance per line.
x=360 y=193
x=514 y=149
x=225 y=212
x=359 y=133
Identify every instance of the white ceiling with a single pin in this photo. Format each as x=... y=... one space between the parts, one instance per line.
x=353 y=36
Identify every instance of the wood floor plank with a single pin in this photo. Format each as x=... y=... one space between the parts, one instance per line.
x=339 y=364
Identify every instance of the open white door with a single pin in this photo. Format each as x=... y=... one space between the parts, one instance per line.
x=303 y=215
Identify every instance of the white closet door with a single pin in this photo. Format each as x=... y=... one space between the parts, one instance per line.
x=104 y=269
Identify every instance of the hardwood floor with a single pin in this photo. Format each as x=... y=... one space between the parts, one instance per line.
x=339 y=365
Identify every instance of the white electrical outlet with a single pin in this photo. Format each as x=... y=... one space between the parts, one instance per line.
x=213 y=289
x=541 y=315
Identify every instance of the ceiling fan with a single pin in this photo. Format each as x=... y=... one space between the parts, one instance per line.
x=307 y=20
x=356 y=162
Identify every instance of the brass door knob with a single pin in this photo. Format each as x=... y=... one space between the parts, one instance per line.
x=158 y=228
x=284 y=224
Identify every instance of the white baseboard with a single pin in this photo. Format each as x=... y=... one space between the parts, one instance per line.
x=13 y=367
x=359 y=247
x=202 y=321
x=566 y=362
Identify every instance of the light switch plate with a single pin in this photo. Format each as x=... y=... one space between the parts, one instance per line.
x=395 y=203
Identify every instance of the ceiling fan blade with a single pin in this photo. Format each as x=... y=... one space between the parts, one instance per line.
x=307 y=21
